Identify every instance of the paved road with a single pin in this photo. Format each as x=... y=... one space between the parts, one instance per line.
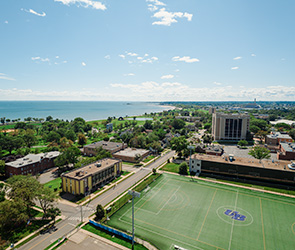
x=73 y=214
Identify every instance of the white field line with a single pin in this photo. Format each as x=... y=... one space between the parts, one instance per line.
x=168 y=200
x=143 y=228
x=232 y=225
x=142 y=197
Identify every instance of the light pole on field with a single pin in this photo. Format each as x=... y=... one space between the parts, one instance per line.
x=134 y=194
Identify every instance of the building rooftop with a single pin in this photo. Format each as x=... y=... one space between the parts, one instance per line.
x=279 y=135
x=90 y=169
x=32 y=158
x=288 y=147
x=131 y=152
x=276 y=165
x=107 y=145
x=282 y=121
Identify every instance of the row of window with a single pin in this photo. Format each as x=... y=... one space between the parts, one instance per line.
x=102 y=175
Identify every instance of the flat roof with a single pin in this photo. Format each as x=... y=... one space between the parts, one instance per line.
x=289 y=147
x=282 y=121
x=32 y=158
x=107 y=145
x=90 y=169
x=276 y=165
x=279 y=135
x=132 y=152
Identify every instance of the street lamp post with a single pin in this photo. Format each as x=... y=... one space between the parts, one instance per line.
x=134 y=194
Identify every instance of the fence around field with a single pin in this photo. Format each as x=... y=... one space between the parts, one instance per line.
x=111 y=230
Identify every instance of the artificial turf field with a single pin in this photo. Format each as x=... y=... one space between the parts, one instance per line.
x=201 y=215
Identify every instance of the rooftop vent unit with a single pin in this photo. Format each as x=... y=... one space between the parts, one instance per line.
x=98 y=165
x=77 y=173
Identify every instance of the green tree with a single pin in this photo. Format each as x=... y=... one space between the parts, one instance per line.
x=178 y=123
x=29 y=138
x=70 y=134
x=46 y=197
x=12 y=213
x=53 y=212
x=2 y=167
x=292 y=133
x=82 y=140
x=260 y=153
x=183 y=168
x=179 y=144
x=11 y=143
x=24 y=189
x=207 y=138
x=100 y=212
x=148 y=124
x=242 y=143
x=53 y=137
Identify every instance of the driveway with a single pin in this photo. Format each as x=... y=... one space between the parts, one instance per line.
x=47 y=176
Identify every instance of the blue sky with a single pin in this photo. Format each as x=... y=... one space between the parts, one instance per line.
x=147 y=50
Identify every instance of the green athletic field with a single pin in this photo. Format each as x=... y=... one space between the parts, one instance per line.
x=201 y=215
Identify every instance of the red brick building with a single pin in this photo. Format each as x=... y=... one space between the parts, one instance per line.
x=286 y=151
x=31 y=164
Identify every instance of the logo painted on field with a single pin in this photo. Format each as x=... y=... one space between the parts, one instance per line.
x=235 y=215
x=239 y=216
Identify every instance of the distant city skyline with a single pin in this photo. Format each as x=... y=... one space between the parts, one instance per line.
x=147 y=50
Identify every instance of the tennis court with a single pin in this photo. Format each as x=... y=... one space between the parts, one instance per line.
x=201 y=215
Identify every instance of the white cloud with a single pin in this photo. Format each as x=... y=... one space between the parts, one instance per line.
x=39 y=59
x=186 y=59
x=217 y=83
x=6 y=77
x=253 y=54
x=43 y=14
x=131 y=54
x=167 y=76
x=177 y=70
x=135 y=58
x=156 y=2
x=171 y=84
x=57 y=57
x=237 y=58
x=153 y=91
x=83 y=64
x=6 y=22
x=85 y=3
x=233 y=68
x=167 y=18
x=129 y=74
x=107 y=57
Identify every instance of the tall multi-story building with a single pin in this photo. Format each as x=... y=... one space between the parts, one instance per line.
x=230 y=126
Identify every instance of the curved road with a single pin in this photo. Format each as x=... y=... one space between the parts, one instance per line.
x=73 y=214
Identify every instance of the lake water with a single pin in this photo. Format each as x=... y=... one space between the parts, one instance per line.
x=69 y=110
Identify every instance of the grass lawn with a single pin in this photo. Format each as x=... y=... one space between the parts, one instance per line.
x=174 y=210
x=128 y=163
x=150 y=157
x=56 y=183
x=93 y=229
x=171 y=167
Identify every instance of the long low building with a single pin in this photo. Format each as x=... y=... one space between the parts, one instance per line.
x=90 y=177
x=31 y=164
x=131 y=154
x=109 y=146
x=265 y=170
